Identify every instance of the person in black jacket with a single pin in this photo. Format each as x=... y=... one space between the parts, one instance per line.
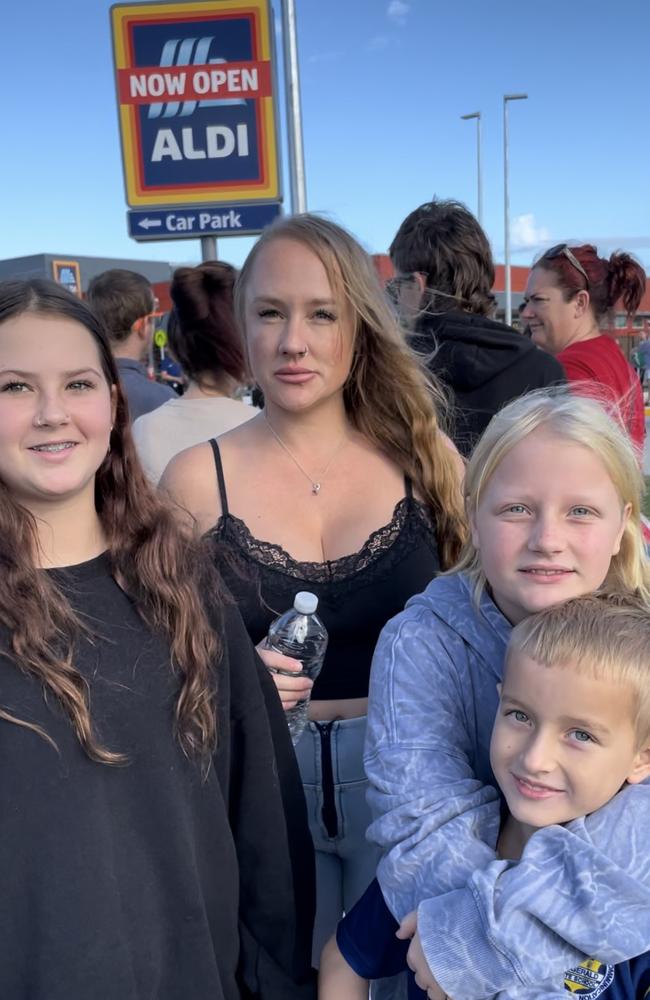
x=153 y=833
x=443 y=291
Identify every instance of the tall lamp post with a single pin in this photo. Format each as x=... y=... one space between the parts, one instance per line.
x=506 y=200
x=477 y=115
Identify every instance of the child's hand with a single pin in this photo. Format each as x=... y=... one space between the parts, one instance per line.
x=408 y=926
x=416 y=960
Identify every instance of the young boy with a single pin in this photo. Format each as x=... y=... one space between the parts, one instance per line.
x=573 y=726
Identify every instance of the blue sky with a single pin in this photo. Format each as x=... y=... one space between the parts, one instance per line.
x=384 y=83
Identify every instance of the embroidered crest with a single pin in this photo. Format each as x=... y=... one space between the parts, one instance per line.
x=589 y=979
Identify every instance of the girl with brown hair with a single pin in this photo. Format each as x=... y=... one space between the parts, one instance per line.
x=345 y=486
x=143 y=839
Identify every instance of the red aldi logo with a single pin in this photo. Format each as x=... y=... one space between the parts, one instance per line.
x=195 y=91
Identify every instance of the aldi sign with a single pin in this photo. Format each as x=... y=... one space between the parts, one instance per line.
x=195 y=90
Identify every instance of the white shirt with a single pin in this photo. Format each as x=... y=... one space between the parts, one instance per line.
x=181 y=423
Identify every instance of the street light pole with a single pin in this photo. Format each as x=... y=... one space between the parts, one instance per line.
x=477 y=115
x=294 y=115
x=506 y=201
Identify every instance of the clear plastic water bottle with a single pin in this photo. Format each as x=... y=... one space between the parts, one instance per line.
x=301 y=634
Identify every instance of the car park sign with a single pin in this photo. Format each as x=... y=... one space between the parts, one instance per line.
x=196 y=97
x=186 y=223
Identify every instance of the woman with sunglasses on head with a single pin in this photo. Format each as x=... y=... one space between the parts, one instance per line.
x=143 y=835
x=345 y=486
x=570 y=290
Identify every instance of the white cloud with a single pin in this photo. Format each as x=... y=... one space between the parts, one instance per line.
x=397 y=11
x=525 y=233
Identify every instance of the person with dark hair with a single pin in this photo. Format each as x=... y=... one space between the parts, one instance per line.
x=443 y=292
x=145 y=840
x=204 y=339
x=570 y=290
x=125 y=303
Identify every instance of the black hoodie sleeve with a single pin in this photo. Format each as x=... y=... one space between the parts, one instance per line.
x=268 y=819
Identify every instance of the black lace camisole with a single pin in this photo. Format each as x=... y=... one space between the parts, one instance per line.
x=357 y=594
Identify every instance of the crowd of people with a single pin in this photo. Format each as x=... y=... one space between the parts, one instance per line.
x=464 y=815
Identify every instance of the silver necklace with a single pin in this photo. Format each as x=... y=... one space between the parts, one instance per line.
x=315 y=483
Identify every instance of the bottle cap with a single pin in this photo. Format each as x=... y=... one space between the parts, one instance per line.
x=305 y=603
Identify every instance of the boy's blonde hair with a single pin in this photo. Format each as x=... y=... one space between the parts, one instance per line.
x=605 y=637
x=581 y=420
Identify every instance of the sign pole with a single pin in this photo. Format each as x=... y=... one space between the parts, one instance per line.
x=209 y=248
x=294 y=114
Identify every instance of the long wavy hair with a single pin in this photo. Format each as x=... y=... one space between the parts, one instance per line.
x=580 y=420
x=389 y=396
x=162 y=569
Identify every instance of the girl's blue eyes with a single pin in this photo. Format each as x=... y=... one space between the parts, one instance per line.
x=519 y=508
x=582 y=736
x=518 y=715
x=15 y=388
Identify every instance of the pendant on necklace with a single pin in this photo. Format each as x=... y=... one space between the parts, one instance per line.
x=315 y=488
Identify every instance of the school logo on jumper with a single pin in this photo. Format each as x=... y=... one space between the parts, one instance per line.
x=589 y=979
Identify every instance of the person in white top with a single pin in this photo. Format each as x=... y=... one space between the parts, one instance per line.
x=204 y=339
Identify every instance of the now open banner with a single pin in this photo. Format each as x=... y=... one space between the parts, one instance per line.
x=196 y=97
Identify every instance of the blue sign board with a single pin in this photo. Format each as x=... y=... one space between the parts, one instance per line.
x=196 y=98
x=210 y=220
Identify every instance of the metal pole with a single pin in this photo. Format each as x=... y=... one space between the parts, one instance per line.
x=506 y=216
x=479 y=180
x=294 y=115
x=506 y=203
x=209 y=248
x=478 y=169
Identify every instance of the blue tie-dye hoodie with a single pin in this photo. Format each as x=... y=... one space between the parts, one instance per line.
x=487 y=927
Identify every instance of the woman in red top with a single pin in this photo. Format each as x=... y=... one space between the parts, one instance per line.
x=570 y=289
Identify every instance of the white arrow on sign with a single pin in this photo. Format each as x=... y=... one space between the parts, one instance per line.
x=149 y=223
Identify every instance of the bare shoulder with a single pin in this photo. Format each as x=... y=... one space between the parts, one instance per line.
x=190 y=481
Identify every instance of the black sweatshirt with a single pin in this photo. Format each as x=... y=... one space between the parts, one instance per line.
x=484 y=364
x=145 y=882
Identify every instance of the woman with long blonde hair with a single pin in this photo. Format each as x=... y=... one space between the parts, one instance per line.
x=143 y=836
x=345 y=486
